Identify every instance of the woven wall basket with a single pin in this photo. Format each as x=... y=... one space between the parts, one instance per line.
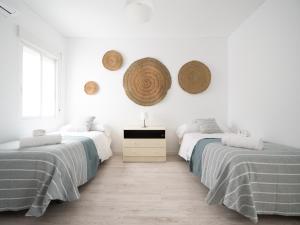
x=91 y=88
x=112 y=60
x=147 y=81
x=194 y=77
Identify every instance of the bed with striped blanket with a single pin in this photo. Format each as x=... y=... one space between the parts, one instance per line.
x=248 y=181
x=31 y=177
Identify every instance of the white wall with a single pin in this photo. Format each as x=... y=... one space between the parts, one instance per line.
x=12 y=125
x=112 y=106
x=264 y=73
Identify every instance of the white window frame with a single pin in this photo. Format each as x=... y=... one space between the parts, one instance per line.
x=42 y=53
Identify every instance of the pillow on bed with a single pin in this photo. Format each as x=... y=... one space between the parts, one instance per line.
x=181 y=130
x=187 y=128
x=79 y=125
x=224 y=128
x=208 y=126
x=72 y=128
x=85 y=122
x=97 y=126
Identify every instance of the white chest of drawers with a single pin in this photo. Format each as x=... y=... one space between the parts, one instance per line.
x=144 y=144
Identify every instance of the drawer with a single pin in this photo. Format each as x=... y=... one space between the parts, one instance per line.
x=144 y=158
x=144 y=143
x=144 y=151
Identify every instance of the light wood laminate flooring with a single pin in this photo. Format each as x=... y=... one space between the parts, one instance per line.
x=141 y=194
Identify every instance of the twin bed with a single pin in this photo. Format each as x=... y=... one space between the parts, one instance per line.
x=31 y=177
x=248 y=181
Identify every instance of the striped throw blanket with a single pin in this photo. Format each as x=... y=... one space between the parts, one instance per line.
x=30 y=178
x=253 y=182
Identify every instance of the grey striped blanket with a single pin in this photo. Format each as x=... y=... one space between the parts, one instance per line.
x=30 y=178
x=253 y=182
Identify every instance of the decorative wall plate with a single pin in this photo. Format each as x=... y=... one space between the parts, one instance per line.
x=112 y=60
x=194 y=77
x=147 y=81
x=91 y=88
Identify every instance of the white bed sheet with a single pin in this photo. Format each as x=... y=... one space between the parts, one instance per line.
x=101 y=140
x=189 y=141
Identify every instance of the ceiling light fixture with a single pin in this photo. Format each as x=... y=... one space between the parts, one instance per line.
x=139 y=11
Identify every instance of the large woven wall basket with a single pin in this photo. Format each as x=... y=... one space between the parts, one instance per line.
x=147 y=81
x=194 y=77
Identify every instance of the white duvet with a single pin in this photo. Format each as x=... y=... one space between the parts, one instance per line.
x=101 y=140
x=189 y=141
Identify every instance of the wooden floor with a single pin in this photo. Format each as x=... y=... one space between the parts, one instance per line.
x=141 y=194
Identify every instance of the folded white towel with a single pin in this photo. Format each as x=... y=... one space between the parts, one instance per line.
x=243 y=142
x=40 y=140
x=38 y=132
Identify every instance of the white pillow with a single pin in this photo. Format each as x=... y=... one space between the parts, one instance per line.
x=200 y=125
x=191 y=127
x=79 y=125
x=83 y=123
x=181 y=130
x=72 y=128
x=224 y=128
x=66 y=128
x=97 y=126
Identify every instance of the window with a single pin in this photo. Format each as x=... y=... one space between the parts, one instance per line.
x=38 y=84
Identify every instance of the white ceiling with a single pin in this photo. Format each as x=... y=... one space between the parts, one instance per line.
x=171 y=18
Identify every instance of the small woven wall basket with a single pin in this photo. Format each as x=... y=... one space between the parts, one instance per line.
x=91 y=88
x=112 y=60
